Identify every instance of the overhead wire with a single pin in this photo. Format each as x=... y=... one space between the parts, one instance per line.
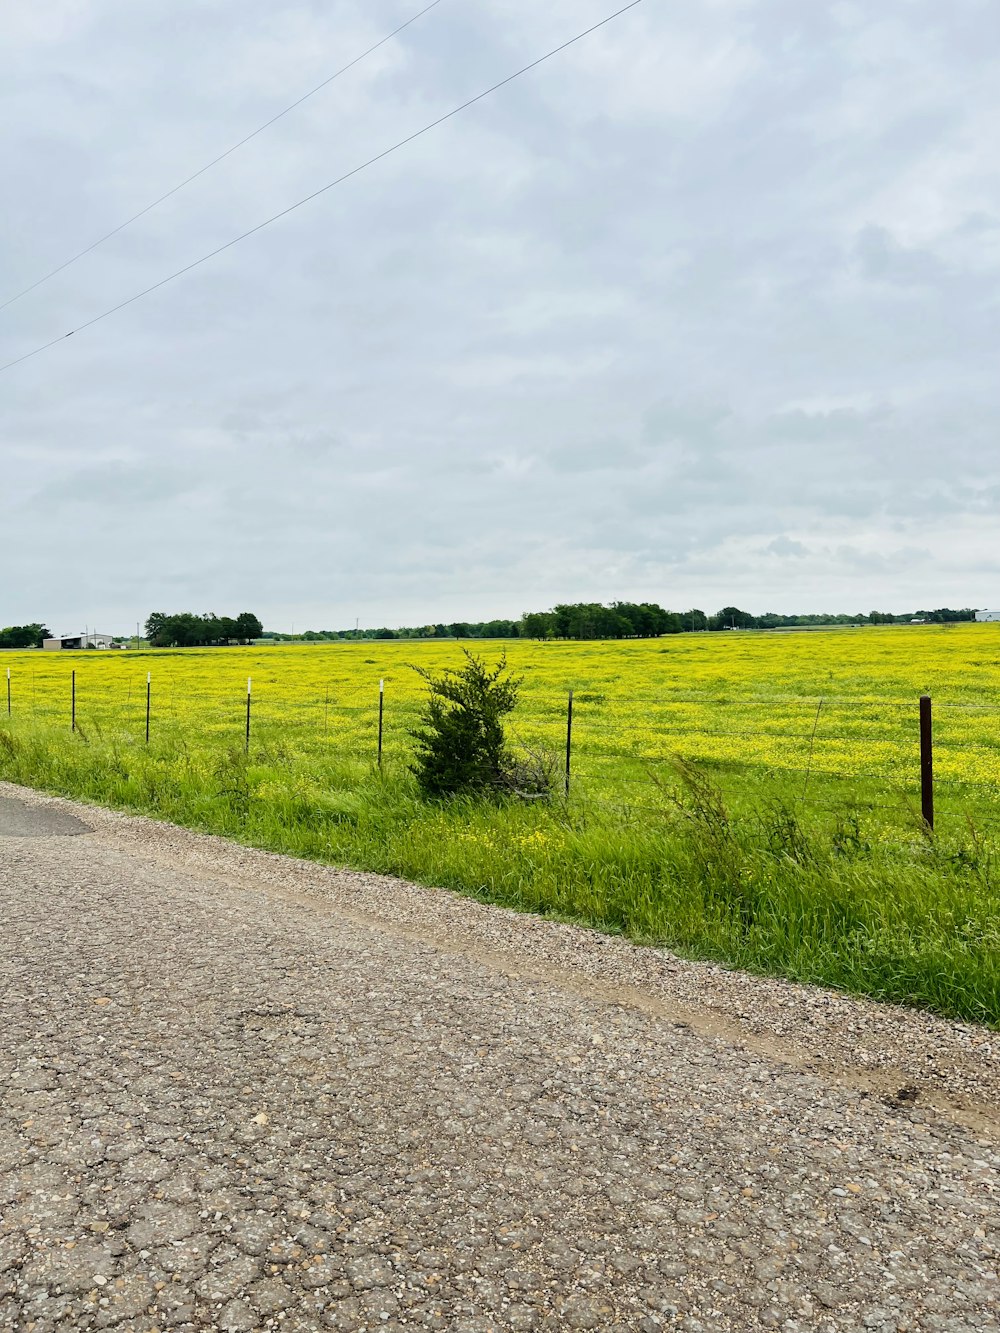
x=216 y=160
x=323 y=189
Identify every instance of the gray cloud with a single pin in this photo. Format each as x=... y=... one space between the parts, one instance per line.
x=785 y=548
x=703 y=310
x=113 y=485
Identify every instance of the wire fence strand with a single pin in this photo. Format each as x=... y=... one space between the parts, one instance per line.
x=873 y=754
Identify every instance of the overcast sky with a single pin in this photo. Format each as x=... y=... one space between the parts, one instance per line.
x=704 y=310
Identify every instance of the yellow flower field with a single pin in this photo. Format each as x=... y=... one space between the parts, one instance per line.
x=839 y=702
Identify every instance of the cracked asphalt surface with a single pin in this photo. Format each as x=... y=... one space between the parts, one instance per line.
x=226 y=1105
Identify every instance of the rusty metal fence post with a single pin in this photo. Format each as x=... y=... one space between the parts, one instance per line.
x=926 y=763
x=381 y=714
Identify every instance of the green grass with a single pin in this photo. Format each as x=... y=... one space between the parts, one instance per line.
x=832 y=892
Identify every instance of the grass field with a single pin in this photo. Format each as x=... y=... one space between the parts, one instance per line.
x=791 y=843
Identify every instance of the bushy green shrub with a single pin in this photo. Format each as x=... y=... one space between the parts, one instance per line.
x=461 y=746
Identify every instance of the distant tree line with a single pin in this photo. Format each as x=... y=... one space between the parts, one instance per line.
x=187 y=630
x=942 y=616
x=485 y=629
x=620 y=620
x=23 y=636
x=582 y=620
x=570 y=620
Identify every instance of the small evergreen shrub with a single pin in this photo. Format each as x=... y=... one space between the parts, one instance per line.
x=461 y=745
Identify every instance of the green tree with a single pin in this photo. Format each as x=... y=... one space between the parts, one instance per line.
x=23 y=636
x=157 y=632
x=248 y=627
x=536 y=625
x=731 y=617
x=186 y=630
x=498 y=629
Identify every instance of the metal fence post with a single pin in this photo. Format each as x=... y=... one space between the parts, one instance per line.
x=149 y=678
x=73 y=702
x=248 y=715
x=8 y=691
x=381 y=714
x=926 y=763
x=569 y=741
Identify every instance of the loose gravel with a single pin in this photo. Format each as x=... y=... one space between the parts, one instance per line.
x=244 y=1092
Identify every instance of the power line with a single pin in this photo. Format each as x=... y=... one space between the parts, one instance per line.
x=222 y=156
x=386 y=152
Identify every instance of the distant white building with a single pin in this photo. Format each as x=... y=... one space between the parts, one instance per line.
x=70 y=641
x=988 y=615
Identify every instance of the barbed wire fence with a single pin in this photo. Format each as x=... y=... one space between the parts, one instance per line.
x=883 y=753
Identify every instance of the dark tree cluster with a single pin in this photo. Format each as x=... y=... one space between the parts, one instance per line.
x=187 y=630
x=23 y=636
x=591 y=620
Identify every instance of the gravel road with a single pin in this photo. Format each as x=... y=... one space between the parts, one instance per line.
x=243 y=1092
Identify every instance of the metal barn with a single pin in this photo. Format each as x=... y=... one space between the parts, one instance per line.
x=69 y=641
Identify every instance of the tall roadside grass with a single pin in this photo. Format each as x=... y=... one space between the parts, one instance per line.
x=827 y=899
